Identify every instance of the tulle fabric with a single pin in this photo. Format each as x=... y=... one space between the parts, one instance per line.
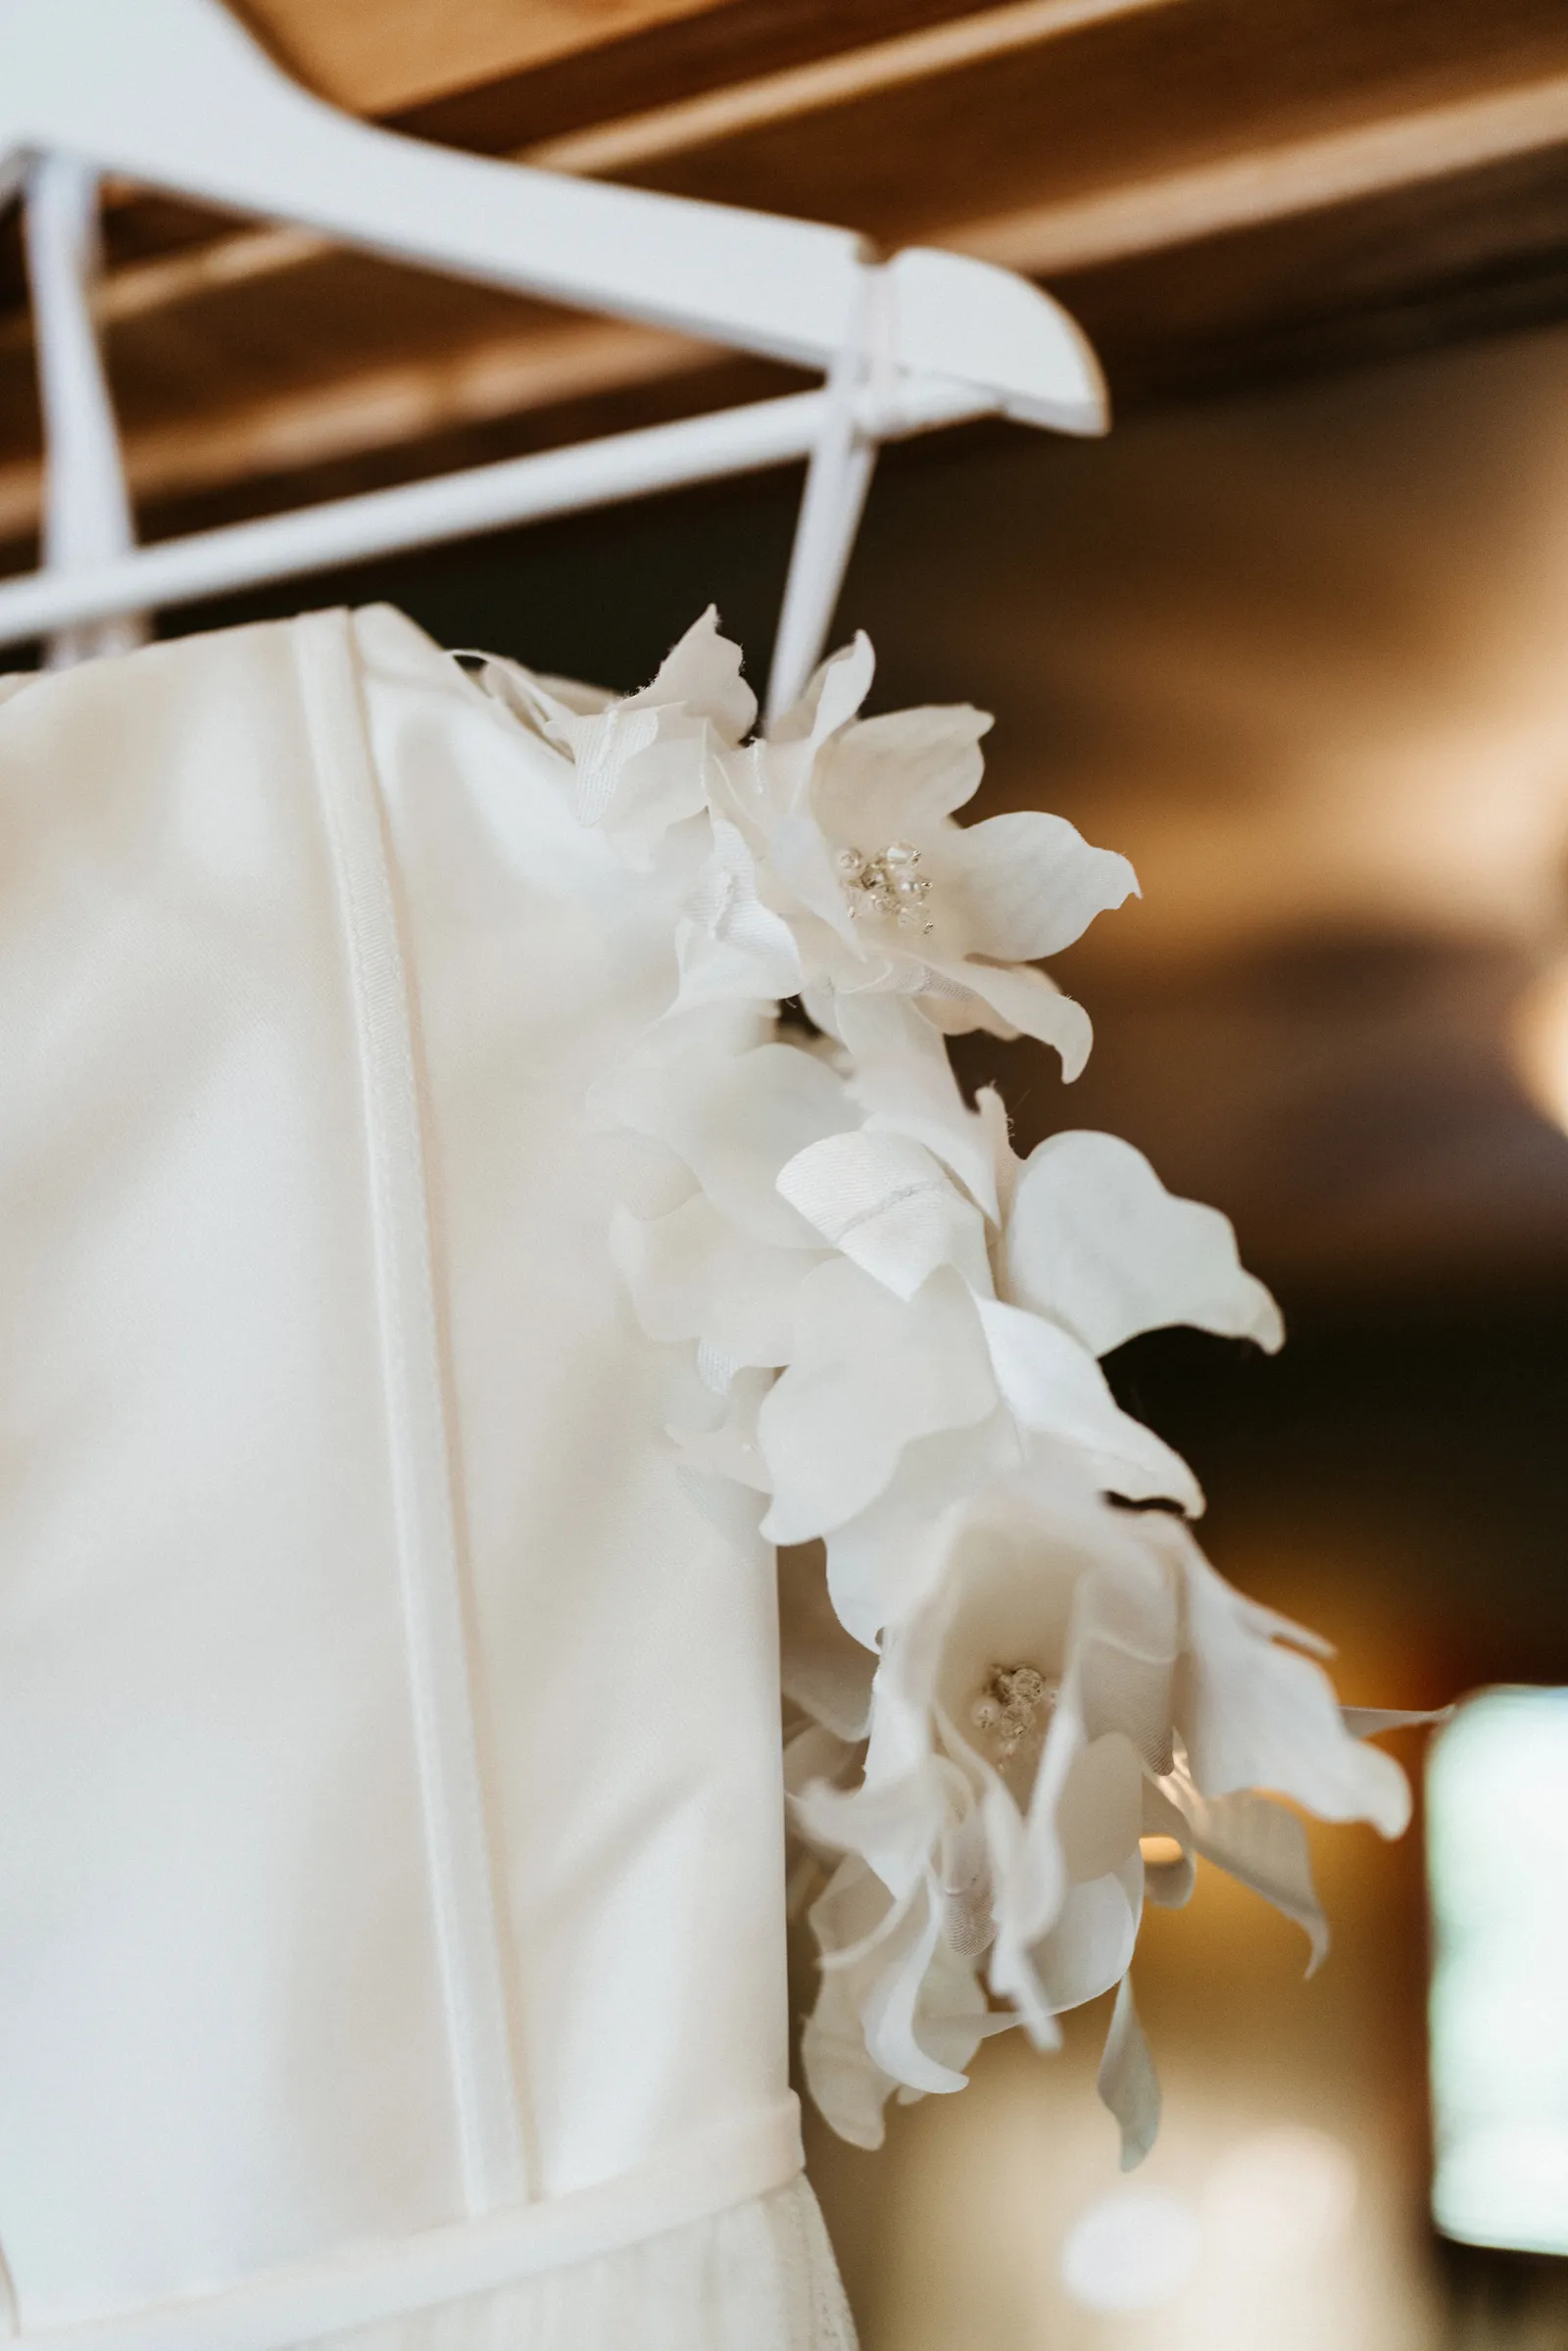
x=758 y=2277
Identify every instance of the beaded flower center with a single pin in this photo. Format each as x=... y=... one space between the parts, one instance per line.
x=1009 y=1712
x=887 y=883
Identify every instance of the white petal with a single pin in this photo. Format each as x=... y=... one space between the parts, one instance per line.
x=1051 y=1383
x=1022 y=1001
x=991 y=1112
x=701 y=673
x=647 y=1176
x=815 y=1753
x=892 y=2009
x=1096 y=1242
x=846 y=2086
x=1171 y=1883
x=953 y=2016
x=895 y=1825
x=1112 y=1704
x=641 y=762
x=903 y=1079
x=1255 y=1714
x=847 y=2090
x=1264 y=1845
x=1100 y=1816
x=635 y=771
x=735 y=1120
x=537 y=698
x=1127 y=2082
x=824 y=1670
x=867 y=1375
x=1032 y=885
x=693 y=1274
x=890 y=1207
x=735 y=1509
x=1091 y=1947
x=876 y=1564
x=833 y=694
x=889 y=1978
x=729 y=944
x=1036 y=1886
x=899 y=776
x=1124 y=1641
x=729 y=1450
x=784 y=762
x=801 y=863
x=605 y=749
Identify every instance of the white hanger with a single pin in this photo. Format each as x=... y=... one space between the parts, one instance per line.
x=836 y=484
x=87 y=517
x=175 y=94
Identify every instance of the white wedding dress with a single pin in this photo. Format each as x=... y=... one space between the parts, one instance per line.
x=392 y=1859
x=434 y=1281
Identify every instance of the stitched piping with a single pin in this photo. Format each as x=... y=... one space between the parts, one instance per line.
x=462 y=1888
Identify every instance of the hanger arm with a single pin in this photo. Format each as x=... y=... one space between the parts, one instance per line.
x=454 y=505
x=175 y=93
x=87 y=517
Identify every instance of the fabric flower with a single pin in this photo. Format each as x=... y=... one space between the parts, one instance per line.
x=835 y=867
x=1073 y=1678
x=987 y=1336
x=847 y=1255
x=639 y=763
x=884 y=1336
x=890 y=895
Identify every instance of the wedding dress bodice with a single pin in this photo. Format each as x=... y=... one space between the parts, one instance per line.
x=392 y=1869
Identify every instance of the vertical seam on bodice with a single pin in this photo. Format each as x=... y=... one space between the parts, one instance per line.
x=431 y=1565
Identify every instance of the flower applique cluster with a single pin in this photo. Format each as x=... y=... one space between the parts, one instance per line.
x=1008 y=1662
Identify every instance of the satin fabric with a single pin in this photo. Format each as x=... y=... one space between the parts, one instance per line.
x=756 y=2277
x=391 y=1854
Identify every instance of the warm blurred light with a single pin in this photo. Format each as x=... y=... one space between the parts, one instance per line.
x=1159 y=1851
x=1540 y=1044
x=1131 y=2250
x=1497 y=1857
x=1278 y=2195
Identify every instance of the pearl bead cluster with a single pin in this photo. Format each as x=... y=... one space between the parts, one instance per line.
x=1007 y=1710
x=888 y=883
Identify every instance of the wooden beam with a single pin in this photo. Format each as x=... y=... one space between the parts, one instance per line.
x=1275 y=183
x=376 y=408
x=380 y=55
x=825 y=84
x=730 y=42
x=140 y=288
